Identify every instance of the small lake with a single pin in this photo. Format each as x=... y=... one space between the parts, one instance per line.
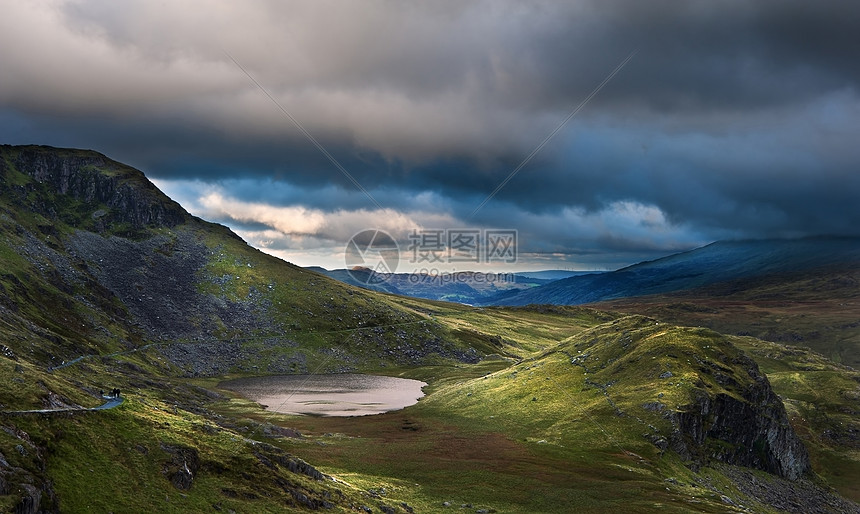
x=346 y=394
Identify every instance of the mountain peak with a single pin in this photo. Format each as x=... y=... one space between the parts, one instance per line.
x=84 y=188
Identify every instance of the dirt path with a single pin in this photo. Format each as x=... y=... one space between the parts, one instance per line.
x=110 y=403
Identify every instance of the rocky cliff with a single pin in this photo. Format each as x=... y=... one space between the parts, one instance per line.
x=113 y=192
x=751 y=430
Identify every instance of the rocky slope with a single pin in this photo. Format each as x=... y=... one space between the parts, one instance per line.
x=122 y=265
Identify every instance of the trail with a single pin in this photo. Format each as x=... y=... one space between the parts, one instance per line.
x=114 y=354
x=111 y=403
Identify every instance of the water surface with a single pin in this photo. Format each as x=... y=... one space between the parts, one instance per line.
x=346 y=394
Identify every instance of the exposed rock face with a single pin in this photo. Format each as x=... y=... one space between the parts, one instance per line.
x=756 y=429
x=182 y=467
x=130 y=196
x=31 y=501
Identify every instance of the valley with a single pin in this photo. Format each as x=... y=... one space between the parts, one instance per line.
x=718 y=398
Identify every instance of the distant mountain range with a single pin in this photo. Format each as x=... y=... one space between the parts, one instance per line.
x=463 y=287
x=717 y=262
x=553 y=274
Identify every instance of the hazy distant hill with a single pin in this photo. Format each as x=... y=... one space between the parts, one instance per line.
x=463 y=287
x=718 y=262
x=553 y=274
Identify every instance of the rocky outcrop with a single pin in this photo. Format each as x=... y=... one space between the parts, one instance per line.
x=719 y=406
x=751 y=431
x=95 y=180
x=35 y=493
x=182 y=467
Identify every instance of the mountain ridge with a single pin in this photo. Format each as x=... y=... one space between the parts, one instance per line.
x=92 y=178
x=716 y=262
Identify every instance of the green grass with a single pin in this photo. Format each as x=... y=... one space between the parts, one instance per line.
x=114 y=461
x=518 y=434
x=11 y=175
x=510 y=435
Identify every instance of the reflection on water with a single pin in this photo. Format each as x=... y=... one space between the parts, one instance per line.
x=329 y=395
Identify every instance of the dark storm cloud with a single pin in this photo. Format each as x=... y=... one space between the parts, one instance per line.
x=734 y=119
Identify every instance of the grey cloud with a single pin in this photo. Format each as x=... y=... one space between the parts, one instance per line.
x=734 y=119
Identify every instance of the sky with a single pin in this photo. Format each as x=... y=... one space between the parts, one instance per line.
x=302 y=123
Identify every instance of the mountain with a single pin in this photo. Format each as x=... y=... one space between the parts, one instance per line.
x=800 y=291
x=815 y=308
x=105 y=283
x=76 y=222
x=717 y=262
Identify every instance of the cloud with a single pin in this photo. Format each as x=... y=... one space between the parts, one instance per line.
x=624 y=228
x=736 y=119
x=419 y=80
x=287 y=220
